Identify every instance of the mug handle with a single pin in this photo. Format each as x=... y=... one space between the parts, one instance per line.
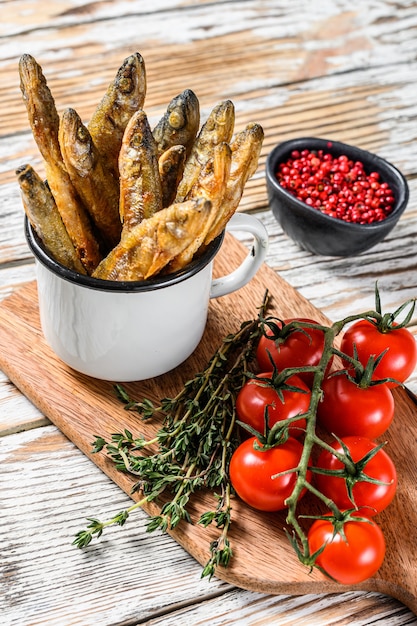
x=250 y=265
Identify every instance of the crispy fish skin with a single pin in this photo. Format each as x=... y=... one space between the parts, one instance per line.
x=211 y=184
x=140 y=183
x=213 y=176
x=74 y=216
x=95 y=184
x=180 y=123
x=148 y=248
x=42 y=212
x=246 y=149
x=171 y=168
x=44 y=122
x=125 y=95
x=218 y=128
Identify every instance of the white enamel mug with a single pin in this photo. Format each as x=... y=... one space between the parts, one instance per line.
x=130 y=331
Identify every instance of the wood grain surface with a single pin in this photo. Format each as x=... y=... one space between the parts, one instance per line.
x=82 y=408
x=332 y=68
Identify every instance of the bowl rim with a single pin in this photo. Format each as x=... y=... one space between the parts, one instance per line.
x=285 y=147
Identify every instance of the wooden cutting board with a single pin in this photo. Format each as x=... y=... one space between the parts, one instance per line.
x=263 y=561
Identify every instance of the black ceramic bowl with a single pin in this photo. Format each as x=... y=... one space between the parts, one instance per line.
x=320 y=233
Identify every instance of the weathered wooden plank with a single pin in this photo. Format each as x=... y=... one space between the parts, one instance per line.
x=360 y=609
x=47 y=488
x=207 y=38
x=296 y=106
x=13 y=247
x=17 y=413
x=119 y=581
x=14 y=276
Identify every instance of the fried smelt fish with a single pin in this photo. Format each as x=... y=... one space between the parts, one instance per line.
x=44 y=122
x=149 y=247
x=218 y=128
x=246 y=149
x=179 y=124
x=43 y=215
x=171 y=168
x=95 y=184
x=125 y=95
x=40 y=105
x=211 y=184
x=140 y=183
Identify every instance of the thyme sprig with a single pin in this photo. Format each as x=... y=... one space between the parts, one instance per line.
x=193 y=446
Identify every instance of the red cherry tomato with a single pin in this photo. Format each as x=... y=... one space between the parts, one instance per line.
x=400 y=359
x=251 y=473
x=300 y=348
x=348 y=409
x=369 y=497
x=255 y=396
x=351 y=557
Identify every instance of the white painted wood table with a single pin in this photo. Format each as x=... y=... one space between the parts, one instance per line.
x=333 y=69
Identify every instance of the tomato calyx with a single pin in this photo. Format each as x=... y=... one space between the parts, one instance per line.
x=352 y=471
x=273 y=327
x=388 y=322
x=292 y=343
x=273 y=404
x=338 y=522
x=278 y=380
x=272 y=436
x=279 y=330
x=359 y=374
x=280 y=377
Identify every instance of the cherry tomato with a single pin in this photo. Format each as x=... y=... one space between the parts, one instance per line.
x=251 y=471
x=348 y=409
x=351 y=558
x=372 y=497
x=300 y=348
x=400 y=359
x=255 y=396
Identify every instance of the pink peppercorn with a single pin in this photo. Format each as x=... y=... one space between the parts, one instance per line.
x=336 y=186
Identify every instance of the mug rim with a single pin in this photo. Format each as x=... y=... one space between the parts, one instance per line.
x=133 y=286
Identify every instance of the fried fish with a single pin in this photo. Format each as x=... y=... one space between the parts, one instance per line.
x=211 y=184
x=179 y=124
x=95 y=184
x=171 y=169
x=124 y=96
x=140 y=183
x=40 y=105
x=43 y=215
x=44 y=122
x=153 y=243
x=145 y=200
x=245 y=151
x=218 y=128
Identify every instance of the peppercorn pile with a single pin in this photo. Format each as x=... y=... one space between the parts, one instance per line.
x=336 y=186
